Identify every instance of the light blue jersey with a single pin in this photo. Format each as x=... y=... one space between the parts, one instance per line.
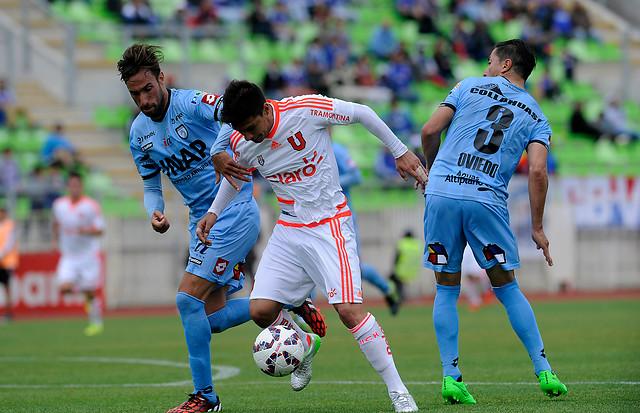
x=494 y=123
x=179 y=146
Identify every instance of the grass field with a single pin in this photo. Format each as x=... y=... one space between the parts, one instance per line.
x=140 y=364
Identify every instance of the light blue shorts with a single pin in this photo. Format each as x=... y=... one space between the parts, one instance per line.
x=449 y=224
x=232 y=237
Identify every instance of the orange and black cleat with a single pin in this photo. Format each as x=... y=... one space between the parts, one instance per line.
x=312 y=316
x=196 y=404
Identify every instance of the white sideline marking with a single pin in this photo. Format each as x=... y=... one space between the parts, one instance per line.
x=425 y=383
x=221 y=372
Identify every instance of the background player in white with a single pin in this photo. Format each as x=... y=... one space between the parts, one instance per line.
x=313 y=243
x=491 y=120
x=172 y=135
x=77 y=225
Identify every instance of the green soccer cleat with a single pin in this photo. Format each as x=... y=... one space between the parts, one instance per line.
x=455 y=392
x=93 y=329
x=302 y=375
x=550 y=384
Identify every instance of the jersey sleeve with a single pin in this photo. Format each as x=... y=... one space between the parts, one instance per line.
x=453 y=99
x=146 y=166
x=97 y=220
x=206 y=106
x=541 y=133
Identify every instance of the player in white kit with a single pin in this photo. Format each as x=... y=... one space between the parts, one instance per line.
x=313 y=243
x=77 y=225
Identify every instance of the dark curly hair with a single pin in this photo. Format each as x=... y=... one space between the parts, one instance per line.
x=242 y=100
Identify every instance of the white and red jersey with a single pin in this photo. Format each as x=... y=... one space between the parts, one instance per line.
x=73 y=219
x=297 y=156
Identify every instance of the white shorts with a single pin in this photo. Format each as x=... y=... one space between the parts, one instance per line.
x=300 y=257
x=82 y=272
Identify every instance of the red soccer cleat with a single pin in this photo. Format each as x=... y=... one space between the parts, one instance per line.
x=312 y=316
x=196 y=404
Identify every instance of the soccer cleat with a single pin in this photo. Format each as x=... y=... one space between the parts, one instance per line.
x=393 y=299
x=302 y=375
x=550 y=384
x=403 y=402
x=197 y=403
x=455 y=392
x=93 y=330
x=312 y=316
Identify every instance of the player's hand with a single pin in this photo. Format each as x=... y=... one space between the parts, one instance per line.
x=542 y=243
x=230 y=169
x=204 y=226
x=410 y=164
x=159 y=223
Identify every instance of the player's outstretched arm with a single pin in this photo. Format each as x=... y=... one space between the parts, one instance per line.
x=432 y=130
x=538 y=184
x=204 y=227
x=159 y=222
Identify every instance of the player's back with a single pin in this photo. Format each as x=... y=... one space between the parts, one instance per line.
x=494 y=121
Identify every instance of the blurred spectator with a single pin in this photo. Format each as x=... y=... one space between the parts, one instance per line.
x=341 y=75
x=58 y=148
x=259 y=21
x=460 y=38
x=295 y=79
x=317 y=56
x=57 y=183
x=425 y=12
x=561 y=23
x=548 y=88
x=317 y=79
x=614 y=122
x=579 y=124
x=385 y=169
x=37 y=188
x=138 y=12
x=581 y=22
x=9 y=178
x=382 y=42
x=205 y=14
x=479 y=44
x=364 y=72
x=400 y=122
x=399 y=77
x=569 y=62
x=279 y=18
x=273 y=82
x=426 y=68
x=9 y=257
x=441 y=57
x=7 y=100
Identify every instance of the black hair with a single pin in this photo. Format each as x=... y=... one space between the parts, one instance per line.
x=241 y=101
x=521 y=55
x=137 y=57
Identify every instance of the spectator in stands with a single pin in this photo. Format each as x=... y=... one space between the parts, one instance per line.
x=383 y=42
x=295 y=79
x=259 y=21
x=341 y=75
x=426 y=68
x=441 y=57
x=205 y=14
x=569 y=62
x=460 y=38
x=138 y=12
x=561 y=23
x=57 y=182
x=273 y=82
x=579 y=124
x=7 y=100
x=400 y=122
x=36 y=188
x=364 y=72
x=614 y=122
x=58 y=148
x=9 y=178
x=581 y=22
x=548 y=87
x=280 y=22
x=316 y=75
x=479 y=44
x=399 y=77
x=317 y=56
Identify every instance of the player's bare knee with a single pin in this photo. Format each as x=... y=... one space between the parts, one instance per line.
x=263 y=312
x=351 y=314
x=500 y=277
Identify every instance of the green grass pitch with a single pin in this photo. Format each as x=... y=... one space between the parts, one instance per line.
x=139 y=364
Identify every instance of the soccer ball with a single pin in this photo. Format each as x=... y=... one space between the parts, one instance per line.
x=278 y=351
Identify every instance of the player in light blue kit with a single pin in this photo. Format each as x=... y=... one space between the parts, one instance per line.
x=491 y=120
x=173 y=135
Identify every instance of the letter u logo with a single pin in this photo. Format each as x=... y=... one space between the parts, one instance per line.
x=298 y=143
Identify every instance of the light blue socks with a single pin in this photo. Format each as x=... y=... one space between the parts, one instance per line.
x=445 y=322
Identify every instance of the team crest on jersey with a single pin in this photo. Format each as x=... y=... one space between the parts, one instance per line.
x=260 y=160
x=274 y=145
x=194 y=99
x=438 y=254
x=220 y=267
x=182 y=132
x=493 y=87
x=492 y=251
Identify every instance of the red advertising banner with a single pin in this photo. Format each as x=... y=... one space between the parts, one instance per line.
x=34 y=289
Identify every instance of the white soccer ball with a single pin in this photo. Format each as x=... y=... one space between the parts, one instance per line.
x=278 y=351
